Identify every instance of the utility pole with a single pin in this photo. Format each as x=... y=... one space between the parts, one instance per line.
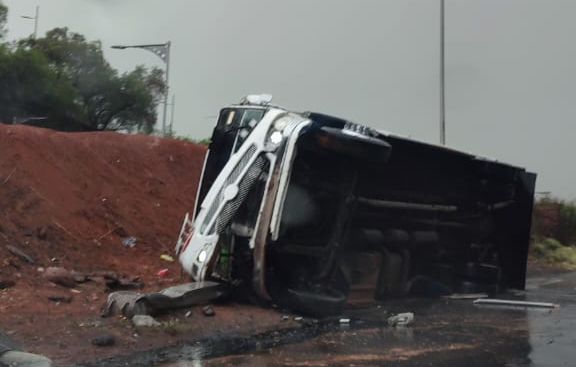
x=36 y=17
x=172 y=114
x=442 y=79
x=162 y=50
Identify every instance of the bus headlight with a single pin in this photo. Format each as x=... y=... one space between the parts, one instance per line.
x=276 y=137
x=202 y=256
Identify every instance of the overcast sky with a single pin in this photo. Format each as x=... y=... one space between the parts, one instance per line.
x=511 y=65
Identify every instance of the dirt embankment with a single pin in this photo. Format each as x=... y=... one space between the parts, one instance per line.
x=69 y=200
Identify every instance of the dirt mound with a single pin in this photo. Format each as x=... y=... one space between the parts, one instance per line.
x=70 y=199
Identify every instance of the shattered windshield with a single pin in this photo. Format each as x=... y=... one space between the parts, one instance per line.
x=248 y=122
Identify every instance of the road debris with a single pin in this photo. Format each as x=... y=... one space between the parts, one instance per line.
x=163 y=273
x=466 y=296
x=507 y=302
x=21 y=254
x=107 y=340
x=129 y=242
x=144 y=321
x=401 y=319
x=166 y=257
x=344 y=321
x=208 y=311
x=125 y=303
x=185 y=295
x=60 y=276
x=15 y=358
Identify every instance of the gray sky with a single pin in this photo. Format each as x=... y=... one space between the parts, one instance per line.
x=511 y=65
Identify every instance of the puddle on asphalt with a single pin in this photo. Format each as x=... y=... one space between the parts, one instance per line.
x=445 y=333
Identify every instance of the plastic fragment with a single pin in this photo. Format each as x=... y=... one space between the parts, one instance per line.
x=166 y=257
x=163 y=273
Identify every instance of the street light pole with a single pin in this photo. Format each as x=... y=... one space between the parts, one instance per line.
x=35 y=18
x=442 y=79
x=162 y=50
x=167 y=61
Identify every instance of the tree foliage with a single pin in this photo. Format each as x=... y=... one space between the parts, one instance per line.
x=30 y=88
x=3 y=18
x=555 y=218
x=64 y=81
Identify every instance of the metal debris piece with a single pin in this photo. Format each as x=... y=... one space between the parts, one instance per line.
x=184 y=295
x=467 y=296
x=124 y=303
x=402 y=319
x=507 y=302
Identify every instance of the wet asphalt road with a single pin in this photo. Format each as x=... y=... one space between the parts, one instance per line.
x=445 y=333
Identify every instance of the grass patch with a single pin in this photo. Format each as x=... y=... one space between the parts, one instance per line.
x=552 y=251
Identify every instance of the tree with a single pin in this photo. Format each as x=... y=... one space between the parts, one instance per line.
x=106 y=100
x=138 y=94
x=3 y=18
x=30 y=88
x=76 y=88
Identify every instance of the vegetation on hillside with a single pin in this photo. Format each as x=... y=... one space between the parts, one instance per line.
x=62 y=81
x=554 y=231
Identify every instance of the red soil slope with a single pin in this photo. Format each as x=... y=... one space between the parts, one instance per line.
x=68 y=199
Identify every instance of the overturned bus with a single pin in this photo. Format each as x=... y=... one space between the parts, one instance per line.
x=313 y=212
